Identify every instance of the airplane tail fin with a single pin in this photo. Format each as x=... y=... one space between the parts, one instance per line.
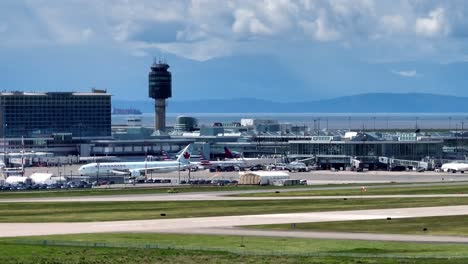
x=165 y=156
x=184 y=156
x=203 y=160
x=227 y=153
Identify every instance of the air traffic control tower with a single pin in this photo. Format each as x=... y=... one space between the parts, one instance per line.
x=160 y=88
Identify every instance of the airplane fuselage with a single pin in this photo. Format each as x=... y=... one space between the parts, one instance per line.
x=107 y=168
x=455 y=167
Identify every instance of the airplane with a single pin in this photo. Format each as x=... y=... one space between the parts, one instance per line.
x=206 y=164
x=231 y=154
x=236 y=156
x=297 y=166
x=136 y=169
x=454 y=167
x=165 y=156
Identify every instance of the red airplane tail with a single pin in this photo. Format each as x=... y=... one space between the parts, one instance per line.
x=203 y=160
x=228 y=153
x=165 y=156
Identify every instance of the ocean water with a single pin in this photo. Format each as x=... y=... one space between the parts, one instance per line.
x=323 y=120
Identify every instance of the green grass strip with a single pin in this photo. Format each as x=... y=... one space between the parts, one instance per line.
x=370 y=190
x=108 y=211
x=438 y=225
x=254 y=246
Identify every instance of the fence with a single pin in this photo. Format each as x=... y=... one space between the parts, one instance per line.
x=241 y=251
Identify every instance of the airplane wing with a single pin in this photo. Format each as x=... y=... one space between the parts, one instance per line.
x=148 y=169
x=121 y=172
x=160 y=169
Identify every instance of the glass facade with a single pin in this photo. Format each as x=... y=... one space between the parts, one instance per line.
x=393 y=149
x=43 y=114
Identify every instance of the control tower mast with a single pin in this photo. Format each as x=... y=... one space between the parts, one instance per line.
x=160 y=88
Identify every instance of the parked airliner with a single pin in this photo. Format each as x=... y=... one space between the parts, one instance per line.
x=137 y=168
x=206 y=164
x=455 y=167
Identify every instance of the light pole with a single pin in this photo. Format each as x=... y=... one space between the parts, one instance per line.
x=315 y=127
x=462 y=137
x=179 y=170
x=318 y=126
x=97 y=174
x=4 y=144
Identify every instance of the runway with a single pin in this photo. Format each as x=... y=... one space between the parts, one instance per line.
x=225 y=224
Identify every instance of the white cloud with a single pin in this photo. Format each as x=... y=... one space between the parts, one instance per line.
x=393 y=23
x=200 y=51
x=127 y=18
x=87 y=33
x=432 y=25
x=408 y=74
x=181 y=27
x=320 y=30
x=247 y=22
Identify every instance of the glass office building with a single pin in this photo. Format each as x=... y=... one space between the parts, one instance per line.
x=30 y=115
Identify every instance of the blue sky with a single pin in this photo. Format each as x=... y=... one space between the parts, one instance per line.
x=273 y=49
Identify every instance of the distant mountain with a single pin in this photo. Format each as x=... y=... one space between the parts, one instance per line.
x=362 y=103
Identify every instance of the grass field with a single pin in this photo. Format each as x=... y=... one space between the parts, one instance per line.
x=14 y=254
x=155 y=190
x=307 y=190
x=436 y=189
x=134 y=190
x=440 y=225
x=225 y=249
x=107 y=211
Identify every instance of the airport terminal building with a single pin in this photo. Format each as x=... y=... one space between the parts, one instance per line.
x=327 y=151
x=397 y=149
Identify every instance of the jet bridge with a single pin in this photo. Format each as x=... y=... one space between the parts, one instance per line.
x=394 y=163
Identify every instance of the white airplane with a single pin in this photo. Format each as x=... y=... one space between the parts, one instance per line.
x=136 y=169
x=455 y=167
x=247 y=162
x=206 y=164
x=297 y=166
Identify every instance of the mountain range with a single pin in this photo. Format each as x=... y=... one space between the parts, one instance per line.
x=362 y=103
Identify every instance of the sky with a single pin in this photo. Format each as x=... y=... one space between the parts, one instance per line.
x=271 y=49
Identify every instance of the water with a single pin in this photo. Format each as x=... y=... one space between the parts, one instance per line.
x=324 y=120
